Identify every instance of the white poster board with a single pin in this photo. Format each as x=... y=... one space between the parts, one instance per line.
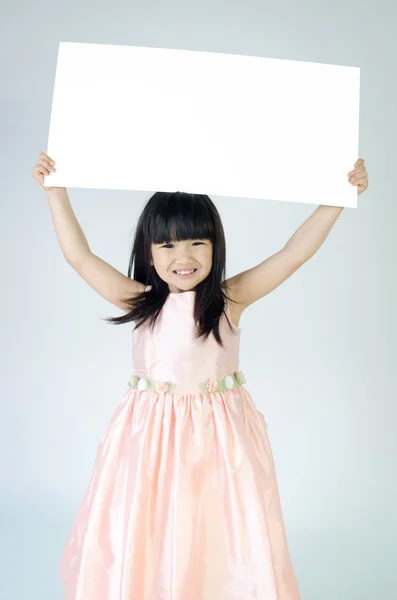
x=133 y=118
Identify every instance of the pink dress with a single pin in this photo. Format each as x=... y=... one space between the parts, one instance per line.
x=183 y=502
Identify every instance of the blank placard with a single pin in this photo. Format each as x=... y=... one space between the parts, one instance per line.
x=133 y=118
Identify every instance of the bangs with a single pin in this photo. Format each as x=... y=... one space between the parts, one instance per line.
x=179 y=216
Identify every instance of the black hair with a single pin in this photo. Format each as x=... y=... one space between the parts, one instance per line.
x=169 y=217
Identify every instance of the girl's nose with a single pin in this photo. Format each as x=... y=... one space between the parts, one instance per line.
x=183 y=256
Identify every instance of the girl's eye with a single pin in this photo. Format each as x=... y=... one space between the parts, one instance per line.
x=170 y=245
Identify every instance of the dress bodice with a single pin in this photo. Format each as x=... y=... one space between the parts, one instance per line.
x=171 y=353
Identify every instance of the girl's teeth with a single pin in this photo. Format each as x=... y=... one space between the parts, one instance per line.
x=185 y=272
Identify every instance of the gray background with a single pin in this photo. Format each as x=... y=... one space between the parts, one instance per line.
x=319 y=353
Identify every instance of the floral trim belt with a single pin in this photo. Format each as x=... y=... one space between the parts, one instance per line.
x=208 y=387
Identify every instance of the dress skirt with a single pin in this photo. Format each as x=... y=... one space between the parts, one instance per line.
x=183 y=504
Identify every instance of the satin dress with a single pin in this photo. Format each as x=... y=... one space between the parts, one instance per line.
x=183 y=502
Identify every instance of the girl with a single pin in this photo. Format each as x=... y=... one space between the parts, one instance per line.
x=183 y=503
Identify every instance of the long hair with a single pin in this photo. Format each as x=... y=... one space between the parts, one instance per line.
x=171 y=217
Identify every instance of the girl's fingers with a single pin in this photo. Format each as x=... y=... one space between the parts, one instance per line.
x=357 y=171
x=358 y=174
x=361 y=185
x=42 y=168
x=47 y=165
x=355 y=175
x=358 y=181
x=46 y=160
x=46 y=157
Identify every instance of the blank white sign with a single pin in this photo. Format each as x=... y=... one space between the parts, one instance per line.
x=133 y=118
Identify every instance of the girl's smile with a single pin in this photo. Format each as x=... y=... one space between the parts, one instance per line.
x=185 y=273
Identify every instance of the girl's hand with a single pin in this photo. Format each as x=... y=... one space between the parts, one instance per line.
x=359 y=176
x=44 y=167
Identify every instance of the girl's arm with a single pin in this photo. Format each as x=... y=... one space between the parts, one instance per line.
x=251 y=285
x=102 y=277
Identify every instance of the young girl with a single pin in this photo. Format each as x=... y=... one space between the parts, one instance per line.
x=183 y=502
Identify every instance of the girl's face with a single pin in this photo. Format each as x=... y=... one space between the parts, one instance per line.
x=172 y=260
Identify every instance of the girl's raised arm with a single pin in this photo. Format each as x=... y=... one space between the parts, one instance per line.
x=251 y=285
x=102 y=277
